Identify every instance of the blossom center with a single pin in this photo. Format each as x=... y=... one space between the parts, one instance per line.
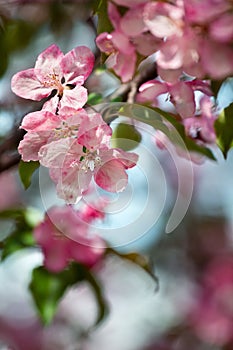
x=90 y=160
x=52 y=81
x=66 y=130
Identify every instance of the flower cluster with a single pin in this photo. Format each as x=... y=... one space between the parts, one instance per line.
x=188 y=36
x=73 y=143
x=189 y=40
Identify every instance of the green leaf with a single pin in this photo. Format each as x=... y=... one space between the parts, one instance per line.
x=104 y=24
x=48 y=288
x=224 y=130
x=26 y=170
x=94 y=98
x=12 y=214
x=125 y=136
x=159 y=120
x=21 y=238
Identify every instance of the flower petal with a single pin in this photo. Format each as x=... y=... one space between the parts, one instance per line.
x=104 y=43
x=40 y=121
x=162 y=19
x=150 y=90
x=132 y=23
x=54 y=153
x=74 y=98
x=114 y=15
x=111 y=176
x=70 y=185
x=93 y=132
x=128 y=159
x=125 y=66
x=88 y=253
x=79 y=61
x=182 y=96
x=48 y=62
x=31 y=144
x=26 y=85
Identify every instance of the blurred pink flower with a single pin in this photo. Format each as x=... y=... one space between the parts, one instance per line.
x=197 y=37
x=129 y=37
x=201 y=127
x=181 y=94
x=212 y=315
x=10 y=195
x=64 y=237
x=122 y=55
x=55 y=71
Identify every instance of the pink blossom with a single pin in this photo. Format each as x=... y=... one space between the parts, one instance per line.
x=44 y=127
x=55 y=71
x=216 y=58
x=212 y=315
x=163 y=19
x=201 y=127
x=201 y=12
x=197 y=37
x=73 y=162
x=221 y=29
x=180 y=53
x=122 y=55
x=64 y=238
x=10 y=193
x=94 y=211
x=181 y=94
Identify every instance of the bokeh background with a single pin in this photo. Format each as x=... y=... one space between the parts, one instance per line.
x=192 y=307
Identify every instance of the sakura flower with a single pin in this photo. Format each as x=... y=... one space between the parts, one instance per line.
x=122 y=55
x=201 y=127
x=130 y=35
x=201 y=12
x=73 y=162
x=64 y=238
x=93 y=211
x=44 y=127
x=181 y=94
x=163 y=19
x=197 y=38
x=55 y=71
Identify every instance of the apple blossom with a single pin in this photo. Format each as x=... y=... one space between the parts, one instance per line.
x=55 y=71
x=181 y=94
x=122 y=55
x=44 y=127
x=201 y=127
x=64 y=237
x=73 y=162
x=130 y=36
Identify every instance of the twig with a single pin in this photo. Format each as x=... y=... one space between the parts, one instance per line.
x=128 y=91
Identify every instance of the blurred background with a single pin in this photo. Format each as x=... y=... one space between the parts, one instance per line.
x=193 y=306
